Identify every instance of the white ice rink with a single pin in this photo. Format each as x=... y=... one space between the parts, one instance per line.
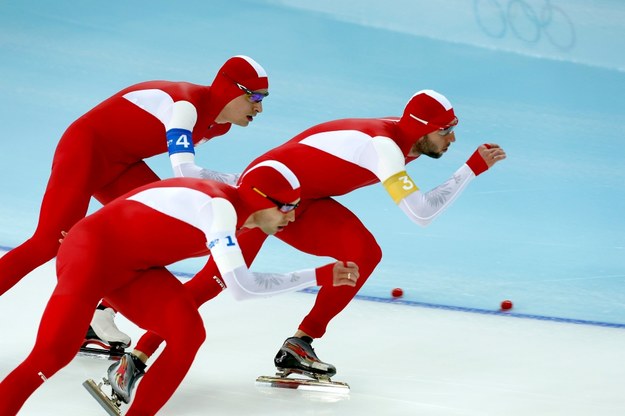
x=398 y=360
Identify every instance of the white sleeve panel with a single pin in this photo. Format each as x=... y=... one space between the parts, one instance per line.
x=214 y=216
x=222 y=217
x=184 y=116
x=422 y=208
x=244 y=284
x=211 y=215
x=390 y=159
x=379 y=154
x=344 y=144
x=154 y=101
x=186 y=204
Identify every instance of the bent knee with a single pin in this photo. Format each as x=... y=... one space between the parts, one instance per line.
x=47 y=361
x=46 y=245
x=368 y=256
x=198 y=332
x=376 y=253
x=188 y=330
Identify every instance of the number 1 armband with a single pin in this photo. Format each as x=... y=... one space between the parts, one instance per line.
x=399 y=186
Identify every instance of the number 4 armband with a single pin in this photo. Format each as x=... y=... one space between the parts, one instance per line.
x=399 y=186
x=179 y=141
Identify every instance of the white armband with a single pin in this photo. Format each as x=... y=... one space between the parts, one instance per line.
x=220 y=231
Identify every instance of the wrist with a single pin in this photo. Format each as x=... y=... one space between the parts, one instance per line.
x=325 y=275
x=477 y=163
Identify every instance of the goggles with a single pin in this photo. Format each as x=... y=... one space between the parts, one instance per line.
x=253 y=96
x=445 y=131
x=282 y=206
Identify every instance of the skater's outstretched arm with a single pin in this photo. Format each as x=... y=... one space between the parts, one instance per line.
x=423 y=207
x=245 y=284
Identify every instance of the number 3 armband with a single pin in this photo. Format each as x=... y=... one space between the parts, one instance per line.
x=399 y=186
x=179 y=141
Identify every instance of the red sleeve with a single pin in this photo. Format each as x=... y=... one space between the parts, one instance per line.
x=325 y=275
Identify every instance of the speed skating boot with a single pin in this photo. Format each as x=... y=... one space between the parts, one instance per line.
x=104 y=332
x=124 y=374
x=297 y=355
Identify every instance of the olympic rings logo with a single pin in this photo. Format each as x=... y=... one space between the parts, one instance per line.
x=525 y=22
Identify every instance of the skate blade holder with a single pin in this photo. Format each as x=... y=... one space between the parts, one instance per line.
x=111 y=405
x=101 y=353
x=320 y=384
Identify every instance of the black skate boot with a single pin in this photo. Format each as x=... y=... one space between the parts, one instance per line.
x=298 y=356
x=124 y=374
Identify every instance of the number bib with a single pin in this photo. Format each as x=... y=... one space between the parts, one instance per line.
x=399 y=186
x=179 y=141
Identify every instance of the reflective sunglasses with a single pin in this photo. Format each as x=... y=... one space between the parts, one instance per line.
x=282 y=206
x=445 y=131
x=253 y=96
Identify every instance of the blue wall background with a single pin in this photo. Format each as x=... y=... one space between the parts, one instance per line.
x=545 y=79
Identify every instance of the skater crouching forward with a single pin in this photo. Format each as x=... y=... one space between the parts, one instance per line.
x=102 y=155
x=333 y=159
x=122 y=250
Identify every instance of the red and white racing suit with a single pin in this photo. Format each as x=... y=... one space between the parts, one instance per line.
x=102 y=155
x=120 y=253
x=332 y=159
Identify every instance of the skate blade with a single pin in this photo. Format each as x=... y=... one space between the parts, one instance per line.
x=106 y=402
x=100 y=353
x=304 y=384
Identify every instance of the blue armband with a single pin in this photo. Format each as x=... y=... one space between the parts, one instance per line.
x=179 y=141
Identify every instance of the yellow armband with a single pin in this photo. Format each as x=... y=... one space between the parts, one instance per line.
x=399 y=186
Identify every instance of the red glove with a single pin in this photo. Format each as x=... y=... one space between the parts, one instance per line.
x=477 y=163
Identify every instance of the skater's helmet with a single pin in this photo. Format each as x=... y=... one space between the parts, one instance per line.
x=269 y=184
x=237 y=72
x=425 y=112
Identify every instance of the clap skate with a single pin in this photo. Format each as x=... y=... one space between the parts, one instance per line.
x=104 y=340
x=110 y=404
x=296 y=356
x=121 y=379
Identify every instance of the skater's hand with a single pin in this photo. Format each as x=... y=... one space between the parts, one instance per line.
x=345 y=274
x=492 y=153
x=485 y=157
x=63 y=235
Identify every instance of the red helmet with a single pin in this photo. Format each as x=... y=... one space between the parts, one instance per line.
x=241 y=70
x=267 y=184
x=426 y=112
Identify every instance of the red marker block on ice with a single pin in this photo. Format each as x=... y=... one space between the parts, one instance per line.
x=397 y=292
x=506 y=305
